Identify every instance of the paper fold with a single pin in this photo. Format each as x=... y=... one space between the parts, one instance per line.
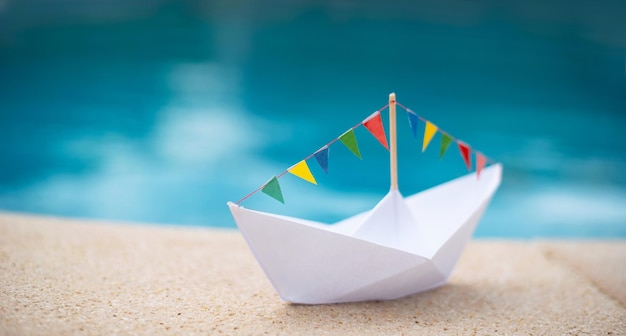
x=400 y=247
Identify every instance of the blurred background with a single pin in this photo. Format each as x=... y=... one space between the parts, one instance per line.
x=162 y=111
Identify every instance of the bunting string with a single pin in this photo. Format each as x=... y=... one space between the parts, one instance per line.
x=321 y=159
x=446 y=135
x=374 y=125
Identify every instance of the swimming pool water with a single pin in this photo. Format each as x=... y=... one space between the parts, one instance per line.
x=164 y=111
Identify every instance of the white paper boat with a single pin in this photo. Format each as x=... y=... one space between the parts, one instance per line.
x=400 y=247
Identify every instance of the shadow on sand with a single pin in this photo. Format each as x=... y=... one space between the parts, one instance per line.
x=444 y=305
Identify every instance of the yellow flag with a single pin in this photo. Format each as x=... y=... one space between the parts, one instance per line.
x=429 y=133
x=301 y=170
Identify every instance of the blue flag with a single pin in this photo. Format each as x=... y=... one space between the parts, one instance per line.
x=321 y=156
x=413 y=120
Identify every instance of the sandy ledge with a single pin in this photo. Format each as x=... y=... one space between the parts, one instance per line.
x=61 y=277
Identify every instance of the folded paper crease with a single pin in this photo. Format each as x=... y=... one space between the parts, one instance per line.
x=400 y=247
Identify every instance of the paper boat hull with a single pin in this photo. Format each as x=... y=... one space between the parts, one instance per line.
x=313 y=263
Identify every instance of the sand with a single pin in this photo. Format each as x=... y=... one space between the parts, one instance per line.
x=64 y=277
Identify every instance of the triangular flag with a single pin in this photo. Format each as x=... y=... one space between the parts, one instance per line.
x=481 y=161
x=465 y=153
x=272 y=188
x=413 y=120
x=429 y=133
x=374 y=124
x=349 y=140
x=446 y=140
x=321 y=156
x=301 y=170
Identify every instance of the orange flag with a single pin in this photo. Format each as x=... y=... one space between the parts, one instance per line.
x=481 y=161
x=429 y=133
x=374 y=124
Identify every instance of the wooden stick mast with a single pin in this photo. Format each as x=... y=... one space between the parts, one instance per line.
x=393 y=156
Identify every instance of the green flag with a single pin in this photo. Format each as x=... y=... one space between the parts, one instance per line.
x=272 y=188
x=349 y=140
x=446 y=140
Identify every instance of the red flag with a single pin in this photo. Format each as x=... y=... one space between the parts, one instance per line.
x=465 y=153
x=374 y=124
x=481 y=161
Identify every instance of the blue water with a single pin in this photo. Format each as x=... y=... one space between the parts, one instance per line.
x=163 y=111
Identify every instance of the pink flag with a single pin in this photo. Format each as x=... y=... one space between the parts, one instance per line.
x=481 y=161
